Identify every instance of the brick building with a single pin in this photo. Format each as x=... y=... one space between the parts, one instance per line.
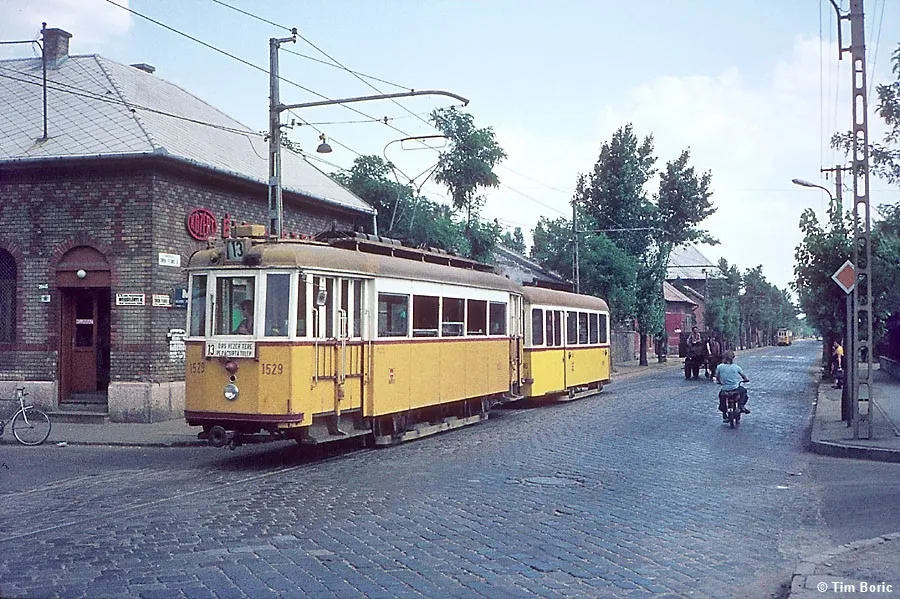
x=99 y=210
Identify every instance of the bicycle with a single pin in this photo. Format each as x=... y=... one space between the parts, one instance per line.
x=30 y=426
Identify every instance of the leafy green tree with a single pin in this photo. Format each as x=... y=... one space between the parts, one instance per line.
x=469 y=163
x=515 y=240
x=646 y=227
x=822 y=251
x=723 y=315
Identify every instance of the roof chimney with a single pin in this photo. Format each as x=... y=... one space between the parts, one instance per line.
x=56 y=46
x=143 y=66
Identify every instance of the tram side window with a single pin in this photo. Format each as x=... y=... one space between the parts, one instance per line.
x=476 y=317
x=572 y=328
x=357 y=308
x=557 y=327
x=234 y=306
x=278 y=299
x=452 y=317
x=393 y=313
x=537 y=326
x=497 y=321
x=582 y=328
x=425 y=315
x=604 y=328
x=198 y=305
x=593 y=328
x=302 y=291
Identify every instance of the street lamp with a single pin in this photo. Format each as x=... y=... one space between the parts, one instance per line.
x=804 y=183
x=276 y=209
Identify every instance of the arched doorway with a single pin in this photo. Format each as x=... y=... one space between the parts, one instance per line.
x=83 y=282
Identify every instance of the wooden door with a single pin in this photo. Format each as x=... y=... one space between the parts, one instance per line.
x=84 y=340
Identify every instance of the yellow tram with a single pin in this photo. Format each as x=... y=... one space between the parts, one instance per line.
x=567 y=350
x=784 y=337
x=317 y=341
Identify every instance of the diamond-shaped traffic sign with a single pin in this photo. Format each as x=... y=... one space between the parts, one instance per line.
x=845 y=276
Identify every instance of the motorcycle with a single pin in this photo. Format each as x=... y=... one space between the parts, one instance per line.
x=733 y=406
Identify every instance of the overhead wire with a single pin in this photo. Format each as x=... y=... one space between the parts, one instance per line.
x=363 y=78
x=257 y=67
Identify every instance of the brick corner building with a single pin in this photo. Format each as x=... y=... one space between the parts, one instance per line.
x=99 y=211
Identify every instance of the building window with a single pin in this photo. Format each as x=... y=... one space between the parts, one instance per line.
x=8 y=275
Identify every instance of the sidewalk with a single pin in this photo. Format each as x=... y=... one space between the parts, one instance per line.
x=843 y=571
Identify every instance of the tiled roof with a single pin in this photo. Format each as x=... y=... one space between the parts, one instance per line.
x=672 y=294
x=687 y=263
x=97 y=107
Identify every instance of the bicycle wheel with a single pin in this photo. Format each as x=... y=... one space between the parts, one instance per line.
x=31 y=427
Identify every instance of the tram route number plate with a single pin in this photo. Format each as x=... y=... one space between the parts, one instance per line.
x=235 y=249
x=230 y=349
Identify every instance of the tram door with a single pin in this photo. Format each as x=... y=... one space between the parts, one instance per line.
x=339 y=309
x=516 y=336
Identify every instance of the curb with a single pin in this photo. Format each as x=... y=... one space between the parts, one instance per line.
x=806 y=569
x=192 y=443
x=845 y=450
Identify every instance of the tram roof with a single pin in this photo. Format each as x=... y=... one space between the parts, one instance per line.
x=564 y=299
x=322 y=256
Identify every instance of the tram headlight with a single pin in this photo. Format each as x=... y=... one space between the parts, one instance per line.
x=231 y=392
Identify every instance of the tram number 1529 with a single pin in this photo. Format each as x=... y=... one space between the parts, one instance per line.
x=272 y=369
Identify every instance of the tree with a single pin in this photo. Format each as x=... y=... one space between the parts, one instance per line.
x=514 y=241
x=402 y=213
x=469 y=164
x=646 y=227
x=821 y=252
x=723 y=315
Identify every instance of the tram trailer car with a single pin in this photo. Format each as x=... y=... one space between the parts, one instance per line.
x=567 y=350
x=353 y=337
x=319 y=341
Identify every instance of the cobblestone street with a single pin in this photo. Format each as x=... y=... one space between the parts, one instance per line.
x=640 y=491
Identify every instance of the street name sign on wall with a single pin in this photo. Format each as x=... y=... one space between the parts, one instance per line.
x=845 y=276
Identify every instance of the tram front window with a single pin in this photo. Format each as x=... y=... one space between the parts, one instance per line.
x=198 y=305
x=234 y=306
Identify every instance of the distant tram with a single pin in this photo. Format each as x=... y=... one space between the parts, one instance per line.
x=785 y=337
x=350 y=335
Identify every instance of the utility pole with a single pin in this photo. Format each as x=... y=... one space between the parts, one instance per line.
x=576 y=270
x=862 y=242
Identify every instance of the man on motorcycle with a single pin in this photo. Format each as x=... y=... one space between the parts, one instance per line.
x=730 y=376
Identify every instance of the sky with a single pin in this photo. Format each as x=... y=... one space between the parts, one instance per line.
x=753 y=89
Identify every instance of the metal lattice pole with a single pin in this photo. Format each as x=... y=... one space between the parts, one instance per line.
x=862 y=246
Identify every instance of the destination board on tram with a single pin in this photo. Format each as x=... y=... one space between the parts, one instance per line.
x=230 y=349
